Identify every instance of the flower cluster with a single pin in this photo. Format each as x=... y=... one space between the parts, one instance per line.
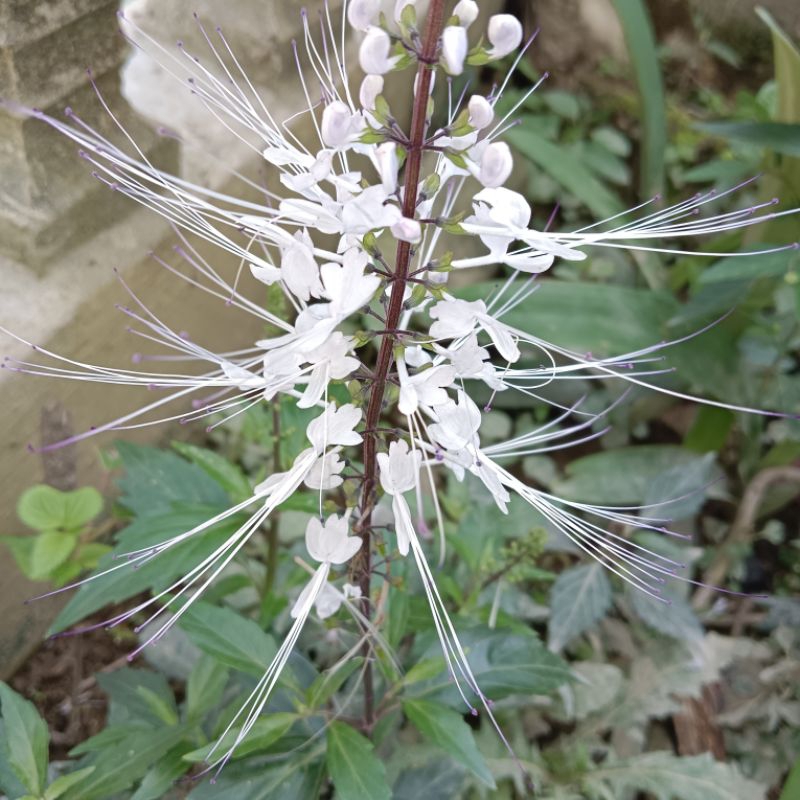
x=360 y=231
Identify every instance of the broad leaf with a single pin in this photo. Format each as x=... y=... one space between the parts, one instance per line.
x=156 y=479
x=580 y=597
x=777 y=136
x=229 y=637
x=25 y=740
x=138 y=695
x=266 y=730
x=622 y=476
x=158 y=573
x=446 y=728
x=613 y=319
x=205 y=686
x=60 y=785
x=50 y=550
x=674 y=618
x=503 y=663
x=226 y=474
x=357 y=774
x=667 y=777
x=45 y=508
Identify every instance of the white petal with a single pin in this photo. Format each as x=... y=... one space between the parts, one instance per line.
x=505 y=34
x=454 y=48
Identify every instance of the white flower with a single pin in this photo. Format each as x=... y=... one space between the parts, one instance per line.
x=495 y=165
x=330 y=362
x=299 y=270
x=470 y=360
x=368 y=211
x=387 y=163
x=481 y=112
x=457 y=318
x=505 y=34
x=399 y=5
x=398 y=473
x=330 y=600
x=330 y=543
x=362 y=13
x=426 y=388
x=334 y=426
x=457 y=424
x=373 y=54
x=454 y=48
x=466 y=11
x=346 y=285
x=326 y=472
x=371 y=87
x=340 y=126
x=407 y=230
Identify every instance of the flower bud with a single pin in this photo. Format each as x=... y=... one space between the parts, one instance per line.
x=371 y=87
x=454 y=49
x=496 y=165
x=466 y=11
x=407 y=230
x=362 y=13
x=481 y=112
x=505 y=34
x=399 y=6
x=337 y=124
x=373 y=55
x=388 y=164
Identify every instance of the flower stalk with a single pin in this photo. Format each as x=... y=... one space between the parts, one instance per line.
x=362 y=564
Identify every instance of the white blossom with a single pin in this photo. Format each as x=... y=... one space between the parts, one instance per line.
x=362 y=13
x=495 y=165
x=466 y=11
x=373 y=54
x=505 y=34
x=454 y=48
x=481 y=112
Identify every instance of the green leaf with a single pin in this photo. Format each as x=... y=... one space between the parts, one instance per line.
x=266 y=730
x=50 y=550
x=680 y=491
x=25 y=741
x=298 y=778
x=623 y=476
x=791 y=789
x=158 y=573
x=439 y=777
x=45 y=508
x=565 y=169
x=156 y=479
x=749 y=267
x=643 y=51
x=138 y=695
x=161 y=777
x=355 y=771
x=580 y=597
x=226 y=474
x=229 y=637
x=613 y=319
x=447 y=729
x=780 y=137
x=124 y=760
x=21 y=548
x=64 y=782
x=675 y=618
x=503 y=664
x=667 y=777
x=710 y=430
x=328 y=683
x=205 y=686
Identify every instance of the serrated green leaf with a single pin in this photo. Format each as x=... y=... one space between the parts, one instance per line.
x=226 y=474
x=502 y=664
x=266 y=730
x=156 y=574
x=580 y=597
x=667 y=777
x=355 y=771
x=613 y=319
x=446 y=729
x=674 y=618
x=229 y=637
x=298 y=778
x=50 y=550
x=64 y=782
x=680 y=491
x=155 y=480
x=44 y=508
x=622 y=476
x=328 y=683
x=205 y=686
x=25 y=740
